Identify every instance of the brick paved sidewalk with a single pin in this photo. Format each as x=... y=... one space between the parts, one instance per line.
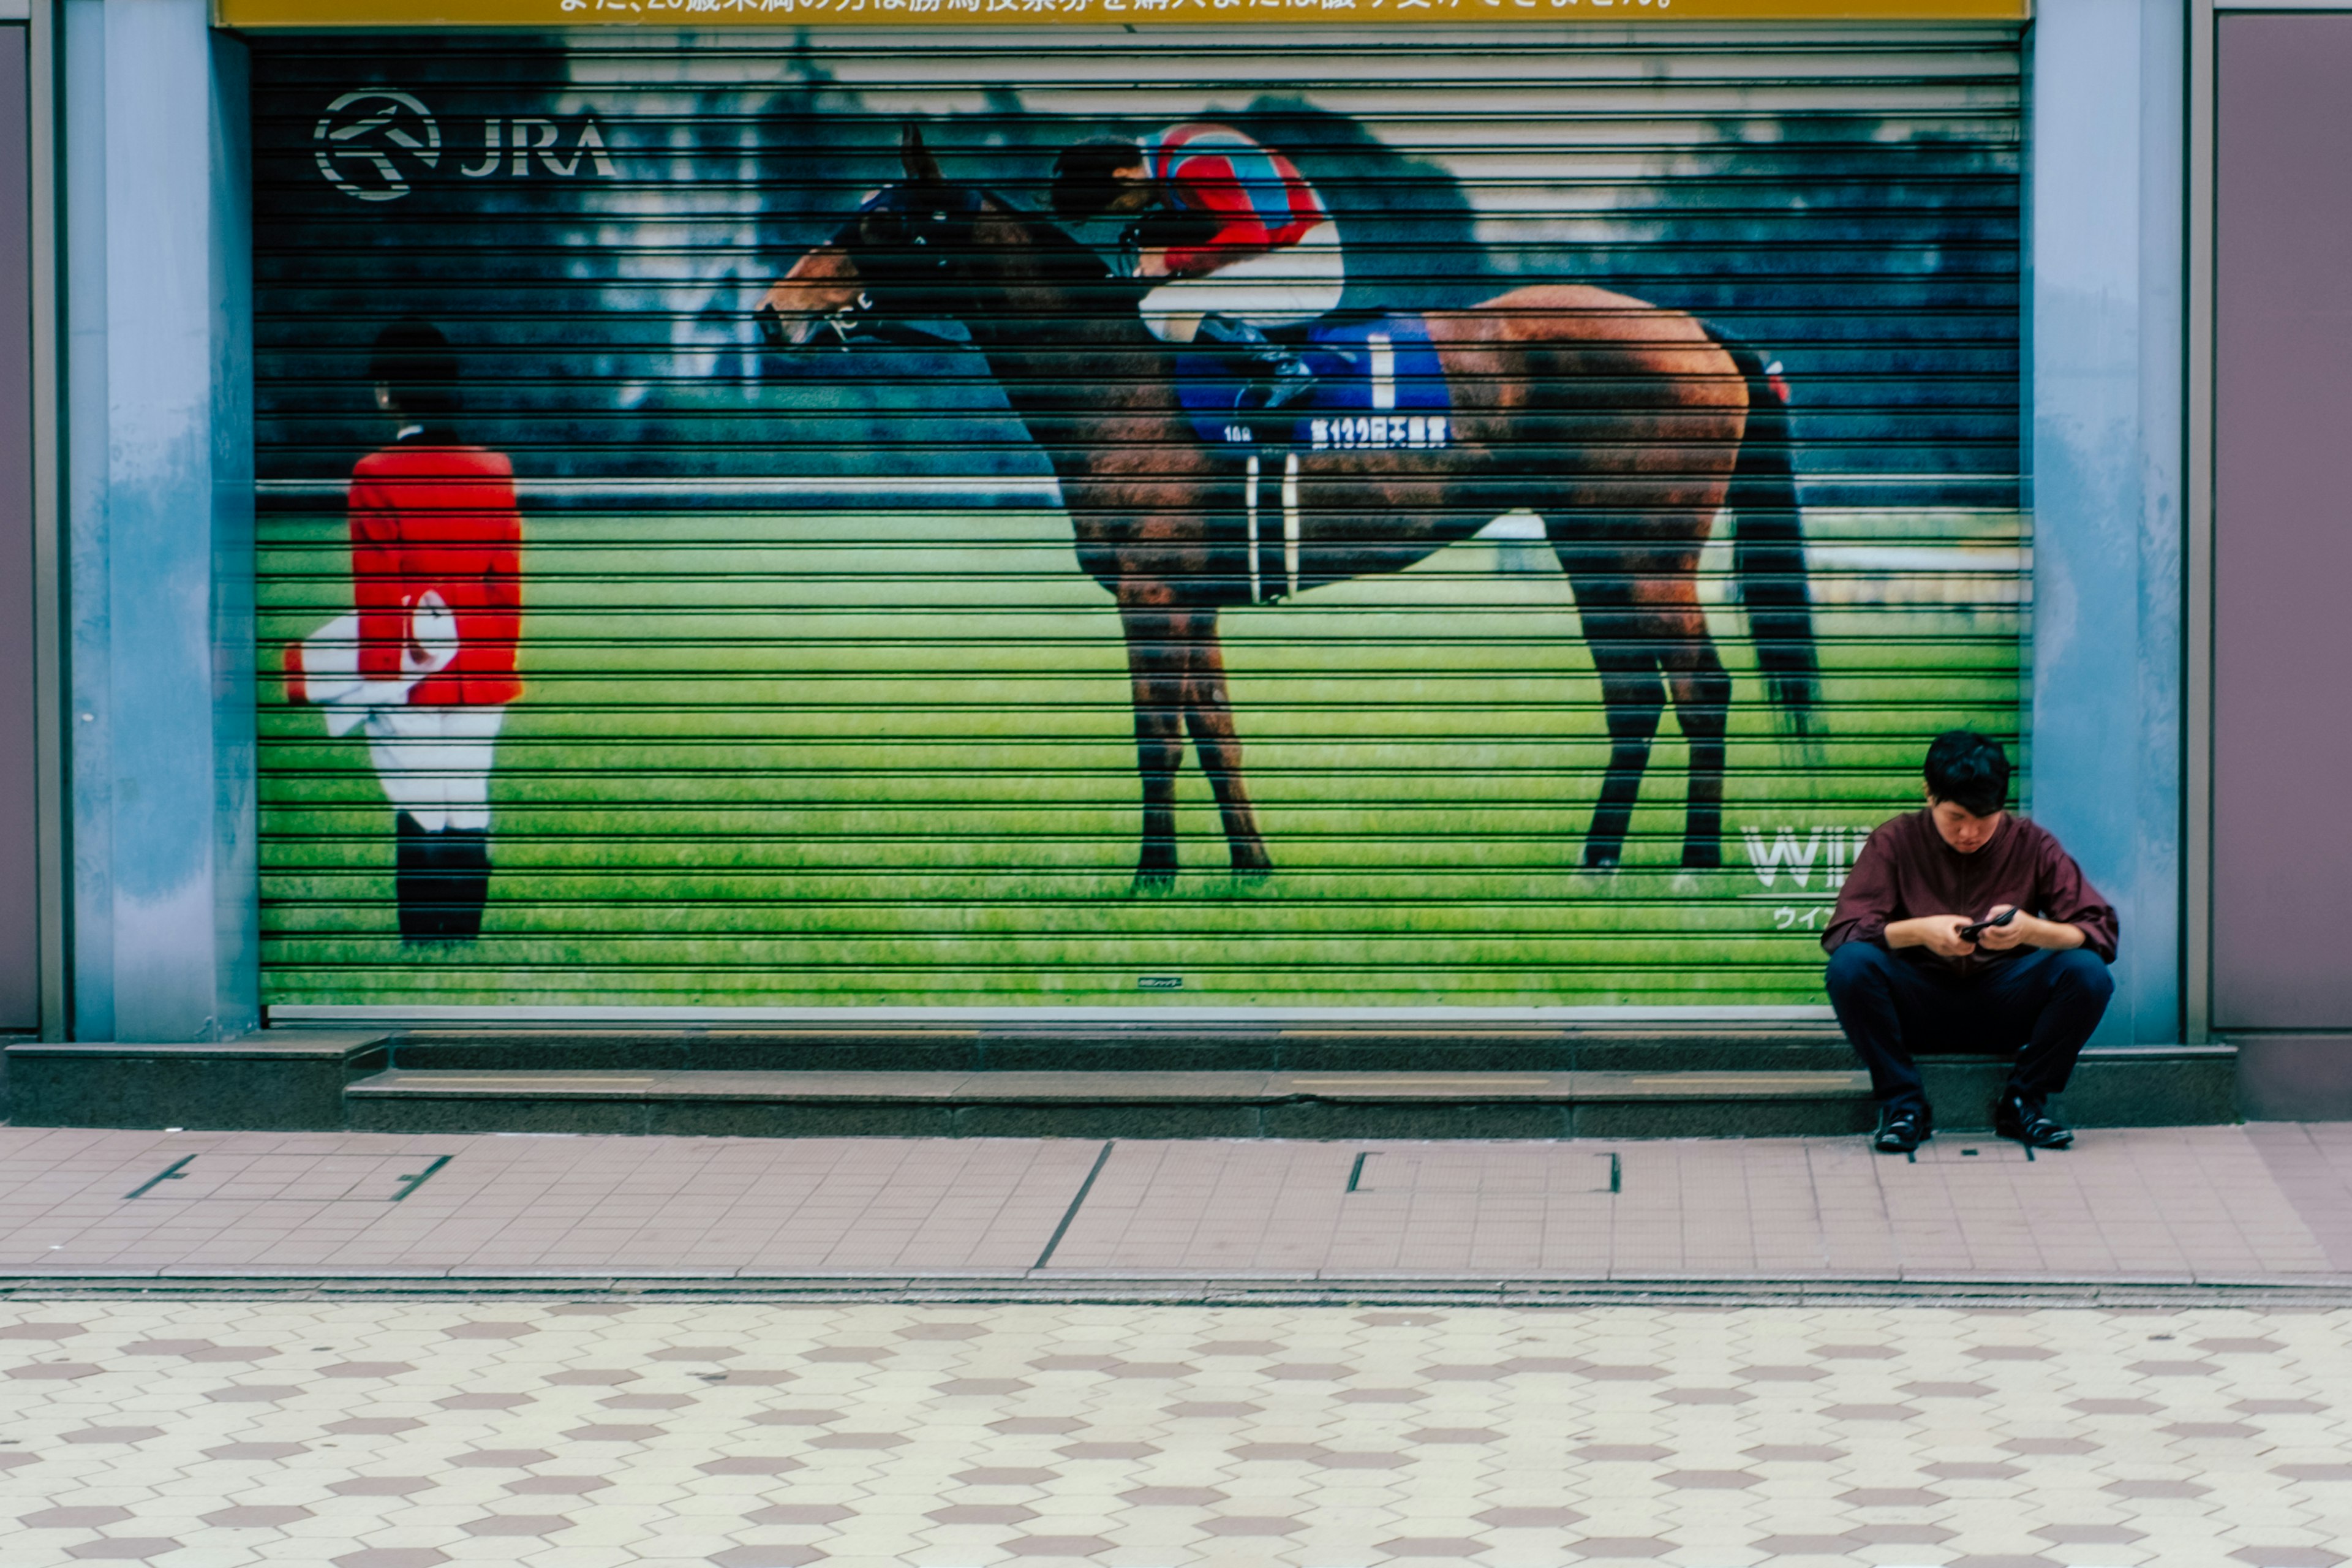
x=2269 y=1203
x=186 y=1427
x=374 y=1434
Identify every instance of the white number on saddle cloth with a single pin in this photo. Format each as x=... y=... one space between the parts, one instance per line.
x=324 y=669
x=1385 y=427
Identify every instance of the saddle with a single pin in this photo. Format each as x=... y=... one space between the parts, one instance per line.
x=1377 y=388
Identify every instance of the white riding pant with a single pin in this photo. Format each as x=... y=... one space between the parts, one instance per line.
x=1295 y=283
x=435 y=763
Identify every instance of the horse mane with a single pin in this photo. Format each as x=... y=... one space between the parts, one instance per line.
x=1062 y=258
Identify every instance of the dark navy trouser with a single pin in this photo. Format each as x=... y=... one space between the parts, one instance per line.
x=2042 y=1004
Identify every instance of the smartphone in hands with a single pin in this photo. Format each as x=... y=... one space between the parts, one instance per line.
x=1975 y=929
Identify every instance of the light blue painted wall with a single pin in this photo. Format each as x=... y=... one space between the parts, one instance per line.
x=2106 y=196
x=161 y=519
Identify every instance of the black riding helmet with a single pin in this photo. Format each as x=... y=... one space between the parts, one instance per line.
x=1085 y=178
x=413 y=357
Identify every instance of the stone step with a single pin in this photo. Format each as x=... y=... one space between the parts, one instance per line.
x=1154 y=1047
x=2130 y=1088
x=1361 y=1104
x=1357 y=1082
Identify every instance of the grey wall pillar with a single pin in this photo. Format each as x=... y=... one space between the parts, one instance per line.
x=20 y=704
x=2106 y=205
x=160 y=518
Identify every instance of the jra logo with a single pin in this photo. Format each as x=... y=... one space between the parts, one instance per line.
x=373 y=143
x=366 y=139
x=513 y=143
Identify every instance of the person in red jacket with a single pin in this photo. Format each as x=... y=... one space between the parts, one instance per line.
x=436 y=543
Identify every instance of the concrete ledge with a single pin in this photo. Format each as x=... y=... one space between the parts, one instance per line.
x=2154 y=1086
x=1344 y=1083
x=2114 y=1085
x=1118 y=1105
x=292 y=1081
x=2162 y=1086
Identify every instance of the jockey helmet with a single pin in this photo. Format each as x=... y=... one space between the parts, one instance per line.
x=1085 y=178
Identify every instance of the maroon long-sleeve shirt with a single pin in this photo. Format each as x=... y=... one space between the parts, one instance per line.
x=1906 y=870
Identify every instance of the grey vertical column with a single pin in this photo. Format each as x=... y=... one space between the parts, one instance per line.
x=2108 y=119
x=159 y=509
x=20 y=933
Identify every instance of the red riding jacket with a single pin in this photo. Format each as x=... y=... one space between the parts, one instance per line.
x=428 y=514
x=1258 y=198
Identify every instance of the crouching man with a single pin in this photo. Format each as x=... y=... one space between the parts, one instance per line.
x=1961 y=928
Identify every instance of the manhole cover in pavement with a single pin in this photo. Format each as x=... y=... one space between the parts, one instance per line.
x=1485 y=1169
x=308 y=1178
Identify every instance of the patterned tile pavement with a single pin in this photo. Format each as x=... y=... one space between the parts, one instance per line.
x=371 y=1432
x=2266 y=1202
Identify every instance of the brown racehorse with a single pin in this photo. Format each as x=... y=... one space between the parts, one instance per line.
x=1626 y=427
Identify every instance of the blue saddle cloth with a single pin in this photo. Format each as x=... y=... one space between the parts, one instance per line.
x=1377 y=388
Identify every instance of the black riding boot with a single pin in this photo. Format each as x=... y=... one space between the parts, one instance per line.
x=1278 y=377
x=413 y=884
x=465 y=855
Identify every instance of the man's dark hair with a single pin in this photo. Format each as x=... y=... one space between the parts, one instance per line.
x=1969 y=771
x=1085 y=178
x=413 y=359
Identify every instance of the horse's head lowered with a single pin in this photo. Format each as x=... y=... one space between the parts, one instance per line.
x=920 y=248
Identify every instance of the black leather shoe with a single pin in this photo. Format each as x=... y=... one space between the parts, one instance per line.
x=2016 y=1116
x=1901 y=1129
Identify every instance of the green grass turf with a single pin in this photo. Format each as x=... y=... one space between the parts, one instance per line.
x=887 y=758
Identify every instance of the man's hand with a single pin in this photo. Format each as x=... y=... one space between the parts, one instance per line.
x=1939 y=934
x=2029 y=930
x=2000 y=939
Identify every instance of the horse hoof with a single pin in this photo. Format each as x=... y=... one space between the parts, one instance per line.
x=1152 y=882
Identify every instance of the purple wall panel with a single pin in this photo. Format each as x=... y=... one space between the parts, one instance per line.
x=20 y=1006
x=2282 y=695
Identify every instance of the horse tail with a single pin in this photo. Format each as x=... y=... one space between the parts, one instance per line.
x=1768 y=550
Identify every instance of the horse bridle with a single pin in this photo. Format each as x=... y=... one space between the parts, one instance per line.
x=933 y=240
x=934 y=244
x=931 y=250
x=840 y=321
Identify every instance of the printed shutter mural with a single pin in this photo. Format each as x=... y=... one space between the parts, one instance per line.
x=827 y=683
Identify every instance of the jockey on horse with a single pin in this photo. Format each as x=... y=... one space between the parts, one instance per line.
x=1236 y=237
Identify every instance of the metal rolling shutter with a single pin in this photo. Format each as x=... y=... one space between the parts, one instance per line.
x=818 y=707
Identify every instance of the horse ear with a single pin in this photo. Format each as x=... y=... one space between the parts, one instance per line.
x=922 y=168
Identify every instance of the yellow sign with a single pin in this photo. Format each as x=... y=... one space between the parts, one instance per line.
x=705 y=14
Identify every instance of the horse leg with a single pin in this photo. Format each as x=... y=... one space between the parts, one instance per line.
x=1702 y=693
x=1156 y=658
x=1603 y=569
x=1209 y=715
x=1632 y=700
